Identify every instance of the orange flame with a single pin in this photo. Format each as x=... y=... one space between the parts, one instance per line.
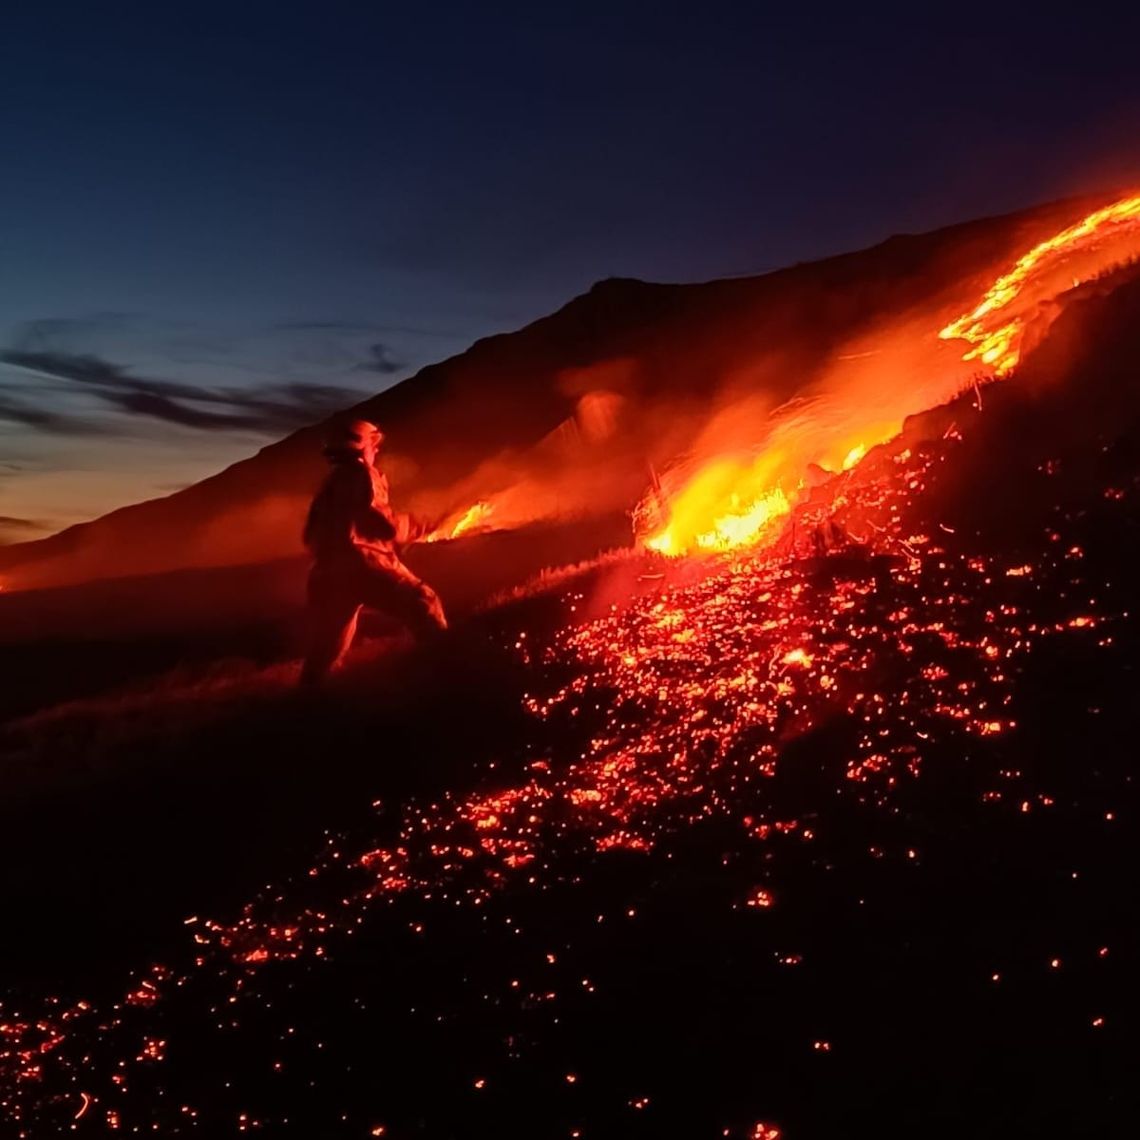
x=473 y=517
x=996 y=340
x=741 y=525
x=730 y=502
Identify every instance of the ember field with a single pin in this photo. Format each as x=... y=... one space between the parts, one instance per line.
x=836 y=839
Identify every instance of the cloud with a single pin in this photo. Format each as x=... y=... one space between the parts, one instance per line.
x=268 y=408
x=368 y=327
x=42 y=419
x=381 y=361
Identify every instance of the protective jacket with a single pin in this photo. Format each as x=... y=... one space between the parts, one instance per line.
x=351 y=514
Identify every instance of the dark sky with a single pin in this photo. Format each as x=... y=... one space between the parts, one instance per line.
x=218 y=220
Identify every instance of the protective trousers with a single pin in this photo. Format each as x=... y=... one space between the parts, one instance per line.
x=338 y=588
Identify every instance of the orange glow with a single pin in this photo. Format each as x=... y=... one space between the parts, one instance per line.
x=735 y=498
x=742 y=524
x=727 y=503
x=995 y=326
x=731 y=503
x=474 y=517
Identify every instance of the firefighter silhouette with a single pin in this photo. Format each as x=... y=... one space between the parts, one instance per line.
x=355 y=538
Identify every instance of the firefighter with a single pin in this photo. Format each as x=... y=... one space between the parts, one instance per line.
x=355 y=538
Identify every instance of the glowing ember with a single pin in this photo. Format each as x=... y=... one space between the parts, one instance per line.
x=763 y=1131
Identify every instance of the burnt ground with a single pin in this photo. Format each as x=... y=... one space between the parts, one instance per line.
x=650 y=873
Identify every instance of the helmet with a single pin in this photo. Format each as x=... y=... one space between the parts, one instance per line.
x=353 y=435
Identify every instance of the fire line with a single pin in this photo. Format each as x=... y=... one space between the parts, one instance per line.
x=729 y=502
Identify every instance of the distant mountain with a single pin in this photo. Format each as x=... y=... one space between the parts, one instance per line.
x=570 y=416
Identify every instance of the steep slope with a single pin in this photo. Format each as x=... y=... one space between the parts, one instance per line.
x=578 y=409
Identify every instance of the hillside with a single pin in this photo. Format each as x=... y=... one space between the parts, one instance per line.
x=829 y=838
x=573 y=414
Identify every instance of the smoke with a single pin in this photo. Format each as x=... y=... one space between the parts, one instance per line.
x=590 y=463
x=705 y=442
x=751 y=411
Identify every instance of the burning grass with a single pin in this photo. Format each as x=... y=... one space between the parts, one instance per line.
x=728 y=499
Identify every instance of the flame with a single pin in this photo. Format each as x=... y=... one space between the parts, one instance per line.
x=748 y=509
x=746 y=526
x=729 y=502
x=996 y=338
x=473 y=517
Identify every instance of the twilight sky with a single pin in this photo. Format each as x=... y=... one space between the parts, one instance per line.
x=220 y=221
